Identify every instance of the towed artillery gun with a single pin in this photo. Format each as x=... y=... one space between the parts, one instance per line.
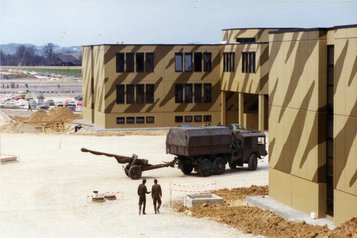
x=135 y=166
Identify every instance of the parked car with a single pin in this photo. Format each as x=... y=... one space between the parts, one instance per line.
x=9 y=104
x=59 y=104
x=78 y=98
x=71 y=107
x=40 y=96
x=69 y=101
x=50 y=102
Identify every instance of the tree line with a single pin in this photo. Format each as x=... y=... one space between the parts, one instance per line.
x=26 y=56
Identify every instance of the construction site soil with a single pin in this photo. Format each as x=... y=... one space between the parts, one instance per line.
x=58 y=119
x=234 y=212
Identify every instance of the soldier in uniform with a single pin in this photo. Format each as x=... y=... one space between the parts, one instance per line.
x=142 y=191
x=156 y=195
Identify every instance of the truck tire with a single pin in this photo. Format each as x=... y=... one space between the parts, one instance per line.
x=232 y=165
x=253 y=162
x=135 y=172
x=186 y=168
x=205 y=168
x=219 y=165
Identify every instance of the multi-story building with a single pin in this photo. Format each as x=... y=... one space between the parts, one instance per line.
x=313 y=120
x=299 y=84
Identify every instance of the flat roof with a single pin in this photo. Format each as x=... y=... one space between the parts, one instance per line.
x=313 y=29
x=119 y=44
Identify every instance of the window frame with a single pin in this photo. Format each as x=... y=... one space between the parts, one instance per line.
x=179 y=59
x=140 y=62
x=130 y=93
x=120 y=94
x=179 y=95
x=120 y=62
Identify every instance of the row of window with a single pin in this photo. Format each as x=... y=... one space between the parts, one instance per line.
x=196 y=118
x=151 y=119
x=248 y=62
x=141 y=62
x=135 y=120
x=135 y=93
x=189 y=62
x=197 y=93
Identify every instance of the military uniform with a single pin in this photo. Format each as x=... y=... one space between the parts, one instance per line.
x=156 y=194
x=142 y=191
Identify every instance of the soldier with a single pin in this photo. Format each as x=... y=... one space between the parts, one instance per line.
x=142 y=191
x=156 y=195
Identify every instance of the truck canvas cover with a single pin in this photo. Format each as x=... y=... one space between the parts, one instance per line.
x=198 y=141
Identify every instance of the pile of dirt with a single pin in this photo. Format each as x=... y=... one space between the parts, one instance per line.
x=55 y=120
x=58 y=114
x=261 y=222
x=18 y=127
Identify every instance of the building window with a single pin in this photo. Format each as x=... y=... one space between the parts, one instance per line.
x=178 y=93
x=120 y=93
x=198 y=62
x=130 y=120
x=188 y=118
x=140 y=97
x=248 y=62
x=178 y=62
x=150 y=64
x=120 y=120
x=150 y=119
x=178 y=119
x=188 y=93
x=130 y=88
x=140 y=120
x=198 y=93
x=228 y=62
x=119 y=62
x=139 y=62
x=188 y=62
x=198 y=118
x=207 y=118
x=245 y=40
x=150 y=88
x=129 y=62
x=207 y=88
x=207 y=62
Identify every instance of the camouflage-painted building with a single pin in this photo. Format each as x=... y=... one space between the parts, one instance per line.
x=300 y=84
x=313 y=120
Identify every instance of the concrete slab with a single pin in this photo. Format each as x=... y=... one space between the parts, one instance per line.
x=197 y=199
x=288 y=213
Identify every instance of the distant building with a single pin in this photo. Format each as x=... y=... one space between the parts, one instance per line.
x=299 y=84
x=67 y=60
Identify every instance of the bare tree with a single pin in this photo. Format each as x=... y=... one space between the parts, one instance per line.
x=50 y=53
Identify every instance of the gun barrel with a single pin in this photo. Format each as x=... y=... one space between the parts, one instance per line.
x=121 y=159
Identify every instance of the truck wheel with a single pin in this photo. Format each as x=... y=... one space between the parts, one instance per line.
x=186 y=168
x=253 y=162
x=205 y=168
x=126 y=169
x=135 y=172
x=232 y=165
x=219 y=165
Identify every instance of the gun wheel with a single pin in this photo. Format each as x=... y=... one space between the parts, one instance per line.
x=126 y=170
x=135 y=172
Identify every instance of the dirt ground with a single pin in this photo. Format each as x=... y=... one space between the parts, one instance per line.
x=47 y=192
x=58 y=119
x=252 y=220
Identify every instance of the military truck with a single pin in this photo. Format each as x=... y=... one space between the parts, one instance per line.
x=207 y=150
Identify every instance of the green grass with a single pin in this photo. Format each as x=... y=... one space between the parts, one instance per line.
x=63 y=70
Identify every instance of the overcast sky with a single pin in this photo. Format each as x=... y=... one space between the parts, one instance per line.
x=82 y=22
